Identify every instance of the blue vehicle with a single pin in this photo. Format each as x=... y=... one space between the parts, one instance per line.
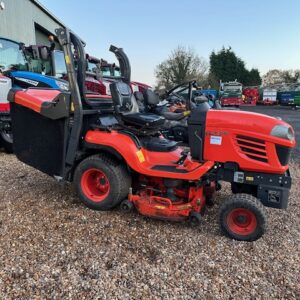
x=211 y=92
x=26 y=67
x=286 y=98
x=211 y=95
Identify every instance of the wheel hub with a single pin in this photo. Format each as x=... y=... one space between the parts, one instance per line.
x=95 y=185
x=241 y=221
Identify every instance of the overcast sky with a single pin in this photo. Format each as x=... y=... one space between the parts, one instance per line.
x=265 y=34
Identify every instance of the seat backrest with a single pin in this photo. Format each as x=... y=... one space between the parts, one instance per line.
x=140 y=101
x=151 y=98
x=123 y=99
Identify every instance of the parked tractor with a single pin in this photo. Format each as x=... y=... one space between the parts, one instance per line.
x=110 y=72
x=24 y=67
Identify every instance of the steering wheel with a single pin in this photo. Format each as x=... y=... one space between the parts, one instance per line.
x=176 y=90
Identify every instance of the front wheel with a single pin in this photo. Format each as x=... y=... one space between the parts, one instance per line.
x=242 y=217
x=101 y=182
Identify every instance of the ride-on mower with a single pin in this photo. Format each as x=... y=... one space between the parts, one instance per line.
x=119 y=157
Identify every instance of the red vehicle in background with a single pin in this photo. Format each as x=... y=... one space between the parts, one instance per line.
x=106 y=73
x=250 y=96
x=139 y=87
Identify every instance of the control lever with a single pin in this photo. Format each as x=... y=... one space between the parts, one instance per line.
x=184 y=154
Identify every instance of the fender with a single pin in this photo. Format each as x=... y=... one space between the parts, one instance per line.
x=156 y=164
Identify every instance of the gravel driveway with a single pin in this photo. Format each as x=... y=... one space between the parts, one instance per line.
x=52 y=247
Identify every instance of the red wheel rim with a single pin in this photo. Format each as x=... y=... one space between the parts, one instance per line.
x=241 y=221
x=95 y=185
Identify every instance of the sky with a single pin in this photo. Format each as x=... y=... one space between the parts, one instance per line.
x=265 y=34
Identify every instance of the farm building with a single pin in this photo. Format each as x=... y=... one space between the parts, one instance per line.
x=27 y=21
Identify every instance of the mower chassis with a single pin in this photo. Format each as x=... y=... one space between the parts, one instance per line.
x=271 y=189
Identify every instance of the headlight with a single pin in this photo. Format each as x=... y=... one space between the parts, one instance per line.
x=64 y=86
x=284 y=132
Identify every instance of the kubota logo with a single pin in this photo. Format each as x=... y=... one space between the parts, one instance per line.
x=216 y=133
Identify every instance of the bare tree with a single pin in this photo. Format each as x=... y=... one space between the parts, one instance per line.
x=291 y=76
x=281 y=77
x=183 y=64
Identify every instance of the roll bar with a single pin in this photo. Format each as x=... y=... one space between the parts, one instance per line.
x=76 y=80
x=93 y=59
x=124 y=63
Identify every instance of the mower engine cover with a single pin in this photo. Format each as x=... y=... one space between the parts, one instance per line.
x=255 y=142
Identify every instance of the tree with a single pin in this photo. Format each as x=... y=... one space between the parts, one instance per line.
x=182 y=65
x=273 y=77
x=225 y=65
x=291 y=76
x=251 y=77
x=276 y=76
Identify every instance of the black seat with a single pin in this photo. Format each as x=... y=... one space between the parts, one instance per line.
x=143 y=124
x=157 y=144
x=97 y=101
x=151 y=100
x=126 y=108
x=143 y=119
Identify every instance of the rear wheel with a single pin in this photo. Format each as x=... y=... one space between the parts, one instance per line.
x=101 y=182
x=6 y=140
x=242 y=217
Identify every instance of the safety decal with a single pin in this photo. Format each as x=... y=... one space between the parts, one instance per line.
x=140 y=156
x=215 y=140
x=67 y=59
x=32 y=82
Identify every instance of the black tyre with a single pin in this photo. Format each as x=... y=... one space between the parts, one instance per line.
x=194 y=219
x=101 y=182
x=6 y=141
x=126 y=206
x=242 y=217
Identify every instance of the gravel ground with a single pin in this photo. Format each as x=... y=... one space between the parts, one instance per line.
x=52 y=247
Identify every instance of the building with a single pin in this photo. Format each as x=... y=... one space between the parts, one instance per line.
x=27 y=21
